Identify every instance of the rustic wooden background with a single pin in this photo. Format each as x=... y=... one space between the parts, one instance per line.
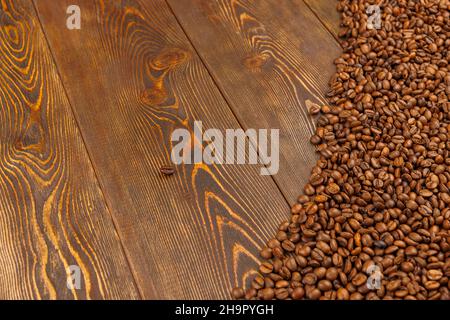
x=85 y=123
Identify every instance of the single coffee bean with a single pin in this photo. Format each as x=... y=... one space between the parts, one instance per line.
x=356 y=296
x=425 y=193
x=309 y=189
x=266 y=268
x=281 y=284
x=268 y=282
x=359 y=280
x=411 y=251
x=250 y=293
x=342 y=294
x=315 y=140
x=298 y=293
x=320 y=198
x=432 y=285
x=393 y=285
x=434 y=275
x=333 y=188
x=320 y=272
x=267 y=294
x=291 y=264
x=303 y=251
x=313 y=294
x=314 y=109
x=288 y=245
x=310 y=279
x=380 y=244
x=407 y=266
x=365 y=48
x=266 y=253
x=325 y=285
x=332 y=274
x=258 y=283
x=281 y=294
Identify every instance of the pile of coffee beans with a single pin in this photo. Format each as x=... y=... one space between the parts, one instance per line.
x=374 y=219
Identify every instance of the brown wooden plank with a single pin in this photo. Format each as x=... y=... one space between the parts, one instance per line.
x=52 y=212
x=133 y=77
x=327 y=13
x=270 y=59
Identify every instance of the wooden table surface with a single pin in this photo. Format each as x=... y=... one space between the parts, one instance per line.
x=86 y=120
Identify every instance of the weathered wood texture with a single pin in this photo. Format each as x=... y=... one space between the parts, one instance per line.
x=271 y=59
x=132 y=78
x=52 y=213
x=327 y=13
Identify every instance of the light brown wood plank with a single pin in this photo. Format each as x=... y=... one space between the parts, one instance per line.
x=132 y=78
x=52 y=212
x=327 y=13
x=270 y=59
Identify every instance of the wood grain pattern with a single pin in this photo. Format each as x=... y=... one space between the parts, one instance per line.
x=52 y=213
x=270 y=59
x=133 y=77
x=327 y=13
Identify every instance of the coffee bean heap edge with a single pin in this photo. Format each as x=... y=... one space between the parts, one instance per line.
x=374 y=219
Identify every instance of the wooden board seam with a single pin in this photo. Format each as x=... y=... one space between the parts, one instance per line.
x=322 y=23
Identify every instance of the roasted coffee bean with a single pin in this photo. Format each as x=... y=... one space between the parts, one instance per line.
x=288 y=245
x=301 y=261
x=281 y=284
x=258 y=283
x=434 y=275
x=380 y=244
x=324 y=285
x=393 y=285
x=303 y=251
x=342 y=294
x=407 y=266
x=377 y=201
x=291 y=264
x=310 y=279
x=238 y=293
x=356 y=296
x=320 y=198
x=332 y=274
x=315 y=140
x=411 y=251
x=359 y=279
x=333 y=188
x=314 y=109
x=167 y=170
x=266 y=253
x=432 y=285
x=313 y=294
x=320 y=272
x=266 y=268
x=250 y=293
x=281 y=294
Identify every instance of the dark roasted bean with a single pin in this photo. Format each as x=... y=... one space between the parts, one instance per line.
x=167 y=170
